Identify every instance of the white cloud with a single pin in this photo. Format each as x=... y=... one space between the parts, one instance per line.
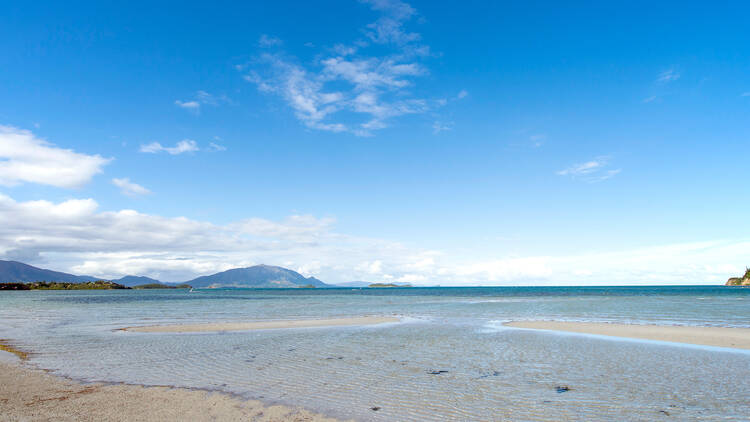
x=186 y=145
x=591 y=171
x=192 y=105
x=583 y=168
x=668 y=76
x=129 y=188
x=25 y=158
x=389 y=27
x=75 y=236
x=371 y=267
x=462 y=94
x=267 y=41
x=650 y=99
x=214 y=147
x=347 y=90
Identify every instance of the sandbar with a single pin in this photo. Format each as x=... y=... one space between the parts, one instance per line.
x=738 y=338
x=262 y=325
x=32 y=395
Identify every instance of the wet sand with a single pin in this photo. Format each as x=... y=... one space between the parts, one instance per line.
x=33 y=395
x=262 y=325
x=738 y=338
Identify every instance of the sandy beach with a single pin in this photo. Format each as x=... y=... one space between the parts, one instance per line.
x=738 y=338
x=262 y=325
x=33 y=395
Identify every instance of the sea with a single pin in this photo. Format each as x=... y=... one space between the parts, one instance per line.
x=450 y=358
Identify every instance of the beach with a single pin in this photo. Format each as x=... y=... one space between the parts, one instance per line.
x=412 y=355
x=33 y=395
x=263 y=325
x=738 y=338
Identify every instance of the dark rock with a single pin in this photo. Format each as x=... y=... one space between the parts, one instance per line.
x=375 y=408
x=493 y=374
x=437 y=372
x=562 y=388
x=14 y=286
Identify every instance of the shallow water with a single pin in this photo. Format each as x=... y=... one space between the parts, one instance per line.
x=491 y=372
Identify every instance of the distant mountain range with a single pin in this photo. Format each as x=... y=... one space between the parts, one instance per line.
x=18 y=272
x=259 y=276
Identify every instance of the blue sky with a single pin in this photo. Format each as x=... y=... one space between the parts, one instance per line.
x=429 y=142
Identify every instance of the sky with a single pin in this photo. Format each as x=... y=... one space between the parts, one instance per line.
x=429 y=142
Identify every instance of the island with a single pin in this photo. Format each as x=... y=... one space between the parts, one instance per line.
x=387 y=285
x=740 y=281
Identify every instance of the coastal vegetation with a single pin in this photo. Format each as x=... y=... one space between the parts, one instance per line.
x=740 y=281
x=57 y=285
x=386 y=285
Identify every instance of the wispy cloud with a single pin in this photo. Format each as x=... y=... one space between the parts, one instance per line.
x=214 y=147
x=186 y=145
x=537 y=140
x=462 y=94
x=745 y=94
x=267 y=41
x=438 y=126
x=129 y=188
x=24 y=158
x=193 y=106
x=202 y=98
x=594 y=170
x=389 y=27
x=345 y=80
x=668 y=76
x=650 y=99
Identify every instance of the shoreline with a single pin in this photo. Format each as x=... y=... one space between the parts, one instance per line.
x=34 y=394
x=727 y=337
x=262 y=325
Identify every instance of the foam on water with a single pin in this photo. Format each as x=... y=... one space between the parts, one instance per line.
x=448 y=359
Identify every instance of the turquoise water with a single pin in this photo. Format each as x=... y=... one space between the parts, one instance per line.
x=490 y=372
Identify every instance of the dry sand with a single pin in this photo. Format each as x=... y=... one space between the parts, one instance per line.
x=738 y=338
x=33 y=395
x=261 y=325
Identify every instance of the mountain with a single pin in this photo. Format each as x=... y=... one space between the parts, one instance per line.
x=257 y=276
x=18 y=272
x=133 y=280
x=262 y=276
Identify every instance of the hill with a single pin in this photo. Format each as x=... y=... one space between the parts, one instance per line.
x=18 y=272
x=737 y=281
x=258 y=276
x=133 y=280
